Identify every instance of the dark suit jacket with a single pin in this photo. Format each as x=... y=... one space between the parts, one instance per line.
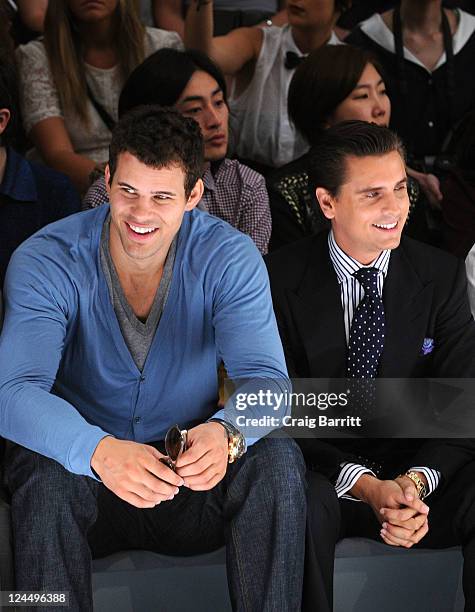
x=424 y=296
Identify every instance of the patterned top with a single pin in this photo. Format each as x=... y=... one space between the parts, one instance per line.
x=39 y=96
x=233 y=192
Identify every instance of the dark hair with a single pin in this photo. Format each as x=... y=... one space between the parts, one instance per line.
x=159 y=137
x=321 y=82
x=162 y=77
x=327 y=163
x=9 y=99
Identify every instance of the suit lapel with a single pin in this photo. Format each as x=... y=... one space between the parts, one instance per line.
x=318 y=314
x=407 y=306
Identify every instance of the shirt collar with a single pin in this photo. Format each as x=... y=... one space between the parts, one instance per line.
x=18 y=181
x=212 y=173
x=334 y=40
x=345 y=265
x=208 y=179
x=378 y=31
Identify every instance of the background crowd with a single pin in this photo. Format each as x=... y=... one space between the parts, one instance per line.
x=262 y=78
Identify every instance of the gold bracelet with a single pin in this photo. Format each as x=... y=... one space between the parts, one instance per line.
x=418 y=482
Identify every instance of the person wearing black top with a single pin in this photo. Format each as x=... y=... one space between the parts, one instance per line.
x=363 y=303
x=427 y=53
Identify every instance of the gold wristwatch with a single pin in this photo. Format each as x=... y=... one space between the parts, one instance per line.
x=419 y=483
x=236 y=441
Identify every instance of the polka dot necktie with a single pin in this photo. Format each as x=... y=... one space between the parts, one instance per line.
x=366 y=340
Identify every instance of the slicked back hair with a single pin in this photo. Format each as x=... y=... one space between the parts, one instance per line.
x=159 y=137
x=328 y=162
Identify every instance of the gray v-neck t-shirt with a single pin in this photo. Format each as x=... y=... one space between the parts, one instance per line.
x=138 y=335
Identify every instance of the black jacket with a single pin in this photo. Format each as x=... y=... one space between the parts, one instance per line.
x=424 y=296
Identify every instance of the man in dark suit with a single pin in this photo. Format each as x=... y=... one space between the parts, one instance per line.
x=360 y=302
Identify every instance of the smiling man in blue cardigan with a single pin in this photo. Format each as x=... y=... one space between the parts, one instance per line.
x=116 y=320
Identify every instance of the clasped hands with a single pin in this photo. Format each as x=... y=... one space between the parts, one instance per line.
x=403 y=516
x=134 y=472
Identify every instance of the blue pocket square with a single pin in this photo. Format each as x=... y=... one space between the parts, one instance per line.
x=427 y=346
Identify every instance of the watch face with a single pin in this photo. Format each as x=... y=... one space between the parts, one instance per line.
x=237 y=447
x=241 y=446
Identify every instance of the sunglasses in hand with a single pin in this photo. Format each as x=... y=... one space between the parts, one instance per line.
x=175 y=445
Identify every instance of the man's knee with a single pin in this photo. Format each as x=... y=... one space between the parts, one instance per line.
x=29 y=475
x=279 y=461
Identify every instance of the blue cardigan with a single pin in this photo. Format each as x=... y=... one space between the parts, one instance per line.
x=67 y=378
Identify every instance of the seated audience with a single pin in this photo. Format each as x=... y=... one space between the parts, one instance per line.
x=227 y=14
x=191 y=83
x=335 y=83
x=330 y=292
x=427 y=53
x=262 y=62
x=132 y=306
x=87 y=52
x=31 y=195
x=470 y=266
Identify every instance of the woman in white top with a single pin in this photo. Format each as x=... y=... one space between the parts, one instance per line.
x=260 y=62
x=70 y=81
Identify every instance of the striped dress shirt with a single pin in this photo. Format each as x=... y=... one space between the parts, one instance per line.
x=352 y=293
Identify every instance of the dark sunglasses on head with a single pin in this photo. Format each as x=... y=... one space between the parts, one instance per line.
x=175 y=445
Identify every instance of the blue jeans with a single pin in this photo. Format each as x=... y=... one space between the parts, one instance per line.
x=61 y=521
